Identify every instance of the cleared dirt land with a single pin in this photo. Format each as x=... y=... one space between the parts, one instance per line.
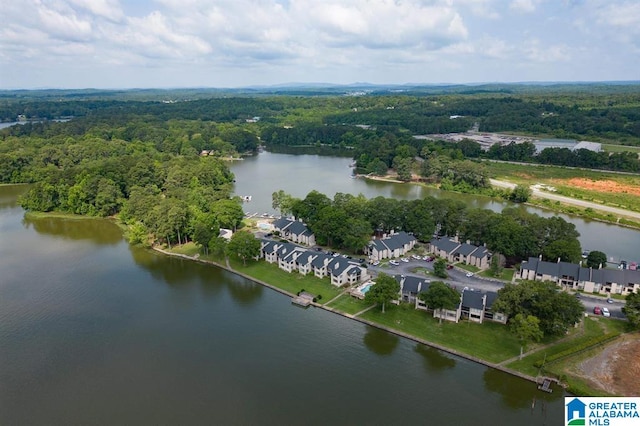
x=603 y=186
x=616 y=369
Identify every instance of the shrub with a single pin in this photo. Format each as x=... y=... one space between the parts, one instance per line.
x=587 y=344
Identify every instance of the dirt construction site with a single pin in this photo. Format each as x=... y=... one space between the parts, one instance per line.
x=615 y=369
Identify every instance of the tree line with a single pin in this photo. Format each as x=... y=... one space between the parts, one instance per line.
x=348 y=221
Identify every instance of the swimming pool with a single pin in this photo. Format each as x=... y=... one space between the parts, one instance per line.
x=366 y=288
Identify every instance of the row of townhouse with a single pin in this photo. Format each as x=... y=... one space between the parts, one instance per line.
x=294 y=231
x=391 y=246
x=456 y=252
x=291 y=257
x=474 y=305
x=577 y=277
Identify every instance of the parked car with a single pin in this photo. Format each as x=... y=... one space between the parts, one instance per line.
x=609 y=300
x=605 y=312
x=376 y=263
x=597 y=310
x=469 y=274
x=449 y=266
x=394 y=262
x=405 y=260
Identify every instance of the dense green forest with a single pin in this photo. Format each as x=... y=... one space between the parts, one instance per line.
x=347 y=222
x=153 y=155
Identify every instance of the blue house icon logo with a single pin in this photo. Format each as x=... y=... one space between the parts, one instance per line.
x=576 y=412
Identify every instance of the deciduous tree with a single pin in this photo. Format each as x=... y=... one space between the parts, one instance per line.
x=439 y=296
x=383 y=291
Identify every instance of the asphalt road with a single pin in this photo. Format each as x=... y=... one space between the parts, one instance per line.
x=458 y=279
x=536 y=192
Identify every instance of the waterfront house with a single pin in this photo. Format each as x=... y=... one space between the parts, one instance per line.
x=304 y=262
x=320 y=265
x=268 y=250
x=473 y=305
x=294 y=231
x=576 y=277
x=287 y=255
x=411 y=287
x=391 y=246
x=344 y=272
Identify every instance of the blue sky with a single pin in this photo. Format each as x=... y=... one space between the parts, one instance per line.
x=234 y=43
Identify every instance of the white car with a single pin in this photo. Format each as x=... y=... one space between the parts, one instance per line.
x=376 y=263
x=393 y=262
x=469 y=274
x=605 y=312
x=405 y=260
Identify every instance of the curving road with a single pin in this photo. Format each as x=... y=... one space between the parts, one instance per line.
x=458 y=279
x=536 y=192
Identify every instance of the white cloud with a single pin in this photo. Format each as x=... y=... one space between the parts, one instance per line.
x=109 y=9
x=523 y=6
x=537 y=51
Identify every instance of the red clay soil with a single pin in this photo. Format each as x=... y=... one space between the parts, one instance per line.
x=602 y=186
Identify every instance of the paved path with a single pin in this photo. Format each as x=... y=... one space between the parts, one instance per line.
x=337 y=296
x=365 y=310
x=536 y=192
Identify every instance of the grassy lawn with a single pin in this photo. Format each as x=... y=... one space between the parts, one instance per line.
x=489 y=341
x=189 y=249
x=620 y=148
x=592 y=327
x=505 y=275
x=349 y=304
x=60 y=215
x=466 y=267
x=291 y=282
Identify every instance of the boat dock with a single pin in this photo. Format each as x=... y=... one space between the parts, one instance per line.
x=303 y=299
x=544 y=384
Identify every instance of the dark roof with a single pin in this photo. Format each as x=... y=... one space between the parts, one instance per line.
x=285 y=249
x=306 y=257
x=296 y=227
x=465 y=249
x=393 y=241
x=411 y=284
x=445 y=244
x=473 y=299
x=530 y=265
x=341 y=265
x=269 y=246
x=319 y=261
x=481 y=252
x=568 y=269
x=282 y=223
x=491 y=297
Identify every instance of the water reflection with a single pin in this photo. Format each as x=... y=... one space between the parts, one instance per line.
x=379 y=341
x=433 y=359
x=209 y=279
x=9 y=194
x=100 y=231
x=518 y=394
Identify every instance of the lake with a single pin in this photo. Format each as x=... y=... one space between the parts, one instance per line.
x=263 y=174
x=94 y=331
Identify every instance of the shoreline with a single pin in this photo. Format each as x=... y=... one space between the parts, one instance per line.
x=630 y=216
x=360 y=320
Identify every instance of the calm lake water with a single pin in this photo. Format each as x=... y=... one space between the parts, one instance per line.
x=261 y=175
x=93 y=331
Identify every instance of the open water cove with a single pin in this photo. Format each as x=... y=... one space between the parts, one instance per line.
x=261 y=175
x=94 y=331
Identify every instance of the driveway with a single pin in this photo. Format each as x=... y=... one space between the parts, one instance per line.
x=457 y=279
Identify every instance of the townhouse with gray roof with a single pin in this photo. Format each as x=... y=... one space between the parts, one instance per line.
x=294 y=231
x=391 y=246
x=577 y=277
x=291 y=257
x=456 y=252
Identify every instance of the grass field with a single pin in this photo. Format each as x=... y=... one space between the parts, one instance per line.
x=349 y=304
x=489 y=341
x=620 y=148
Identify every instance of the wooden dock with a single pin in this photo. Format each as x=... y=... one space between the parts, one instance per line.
x=304 y=299
x=546 y=384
